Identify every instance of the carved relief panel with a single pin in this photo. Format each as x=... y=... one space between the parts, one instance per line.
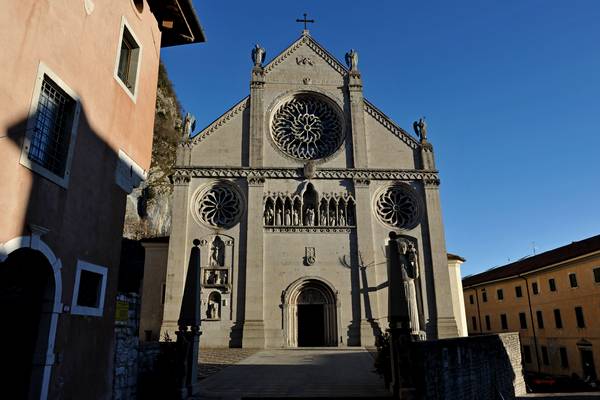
x=217 y=280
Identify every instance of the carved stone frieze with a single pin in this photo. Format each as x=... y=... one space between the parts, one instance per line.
x=307 y=229
x=185 y=173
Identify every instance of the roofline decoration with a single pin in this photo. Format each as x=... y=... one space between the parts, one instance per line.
x=390 y=125
x=548 y=259
x=315 y=46
x=213 y=126
x=184 y=174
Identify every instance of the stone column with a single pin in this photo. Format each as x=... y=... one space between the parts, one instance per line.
x=365 y=257
x=257 y=85
x=254 y=328
x=357 y=120
x=178 y=250
x=445 y=323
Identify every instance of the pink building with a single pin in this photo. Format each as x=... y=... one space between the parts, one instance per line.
x=77 y=99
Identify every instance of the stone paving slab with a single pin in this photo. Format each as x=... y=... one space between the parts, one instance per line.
x=211 y=361
x=297 y=373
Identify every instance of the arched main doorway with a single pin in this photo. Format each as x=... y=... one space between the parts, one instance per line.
x=310 y=308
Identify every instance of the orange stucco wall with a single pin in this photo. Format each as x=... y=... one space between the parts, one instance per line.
x=565 y=298
x=85 y=220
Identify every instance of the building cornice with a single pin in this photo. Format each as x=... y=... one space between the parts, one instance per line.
x=184 y=174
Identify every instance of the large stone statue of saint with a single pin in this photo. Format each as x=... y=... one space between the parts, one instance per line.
x=409 y=272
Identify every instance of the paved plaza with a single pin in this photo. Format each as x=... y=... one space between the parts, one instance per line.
x=295 y=373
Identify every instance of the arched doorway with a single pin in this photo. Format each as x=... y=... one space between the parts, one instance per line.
x=310 y=313
x=27 y=295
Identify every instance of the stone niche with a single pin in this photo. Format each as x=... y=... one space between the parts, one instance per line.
x=216 y=252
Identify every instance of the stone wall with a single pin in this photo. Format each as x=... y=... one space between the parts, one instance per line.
x=126 y=350
x=480 y=367
x=135 y=362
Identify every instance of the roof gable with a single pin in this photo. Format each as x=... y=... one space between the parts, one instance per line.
x=307 y=40
x=222 y=120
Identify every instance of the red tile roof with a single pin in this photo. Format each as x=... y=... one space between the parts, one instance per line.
x=558 y=255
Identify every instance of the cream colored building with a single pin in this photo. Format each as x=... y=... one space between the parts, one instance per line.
x=292 y=194
x=552 y=299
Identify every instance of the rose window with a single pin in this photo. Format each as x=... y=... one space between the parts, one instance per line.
x=220 y=206
x=398 y=207
x=307 y=128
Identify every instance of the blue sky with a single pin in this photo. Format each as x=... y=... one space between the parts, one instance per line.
x=510 y=90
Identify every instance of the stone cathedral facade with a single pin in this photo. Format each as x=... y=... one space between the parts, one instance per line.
x=292 y=193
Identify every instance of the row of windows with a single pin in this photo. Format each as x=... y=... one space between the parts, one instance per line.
x=54 y=124
x=558 y=323
x=535 y=287
x=562 y=351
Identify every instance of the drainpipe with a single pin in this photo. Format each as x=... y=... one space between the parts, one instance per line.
x=478 y=311
x=537 y=356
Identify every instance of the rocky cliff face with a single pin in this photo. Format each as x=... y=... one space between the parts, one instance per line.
x=149 y=206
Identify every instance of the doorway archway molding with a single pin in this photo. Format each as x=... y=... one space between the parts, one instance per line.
x=34 y=242
x=332 y=306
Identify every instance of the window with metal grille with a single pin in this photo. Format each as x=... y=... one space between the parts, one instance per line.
x=127 y=66
x=552 y=284
x=503 y=321
x=49 y=146
x=500 y=294
x=488 y=323
x=597 y=275
x=484 y=296
x=474 y=323
x=534 y=288
x=471 y=299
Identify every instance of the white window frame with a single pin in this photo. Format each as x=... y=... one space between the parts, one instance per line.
x=125 y=24
x=63 y=181
x=91 y=311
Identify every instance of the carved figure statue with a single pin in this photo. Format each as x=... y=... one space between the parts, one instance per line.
x=420 y=128
x=278 y=218
x=212 y=312
x=323 y=219
x=410 y=271
x=332 y=220
x=296 y=218
x=189 y=125
x=224 y=278
x=352 y=60
x=217 y=258
x=212 y=278
x=258 y=55
x=310 y=217
x=342 y=219
x=268 y=216
x=288 y=218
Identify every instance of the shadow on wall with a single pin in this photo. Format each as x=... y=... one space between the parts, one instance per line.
x=79 y=222
x=482 y=367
